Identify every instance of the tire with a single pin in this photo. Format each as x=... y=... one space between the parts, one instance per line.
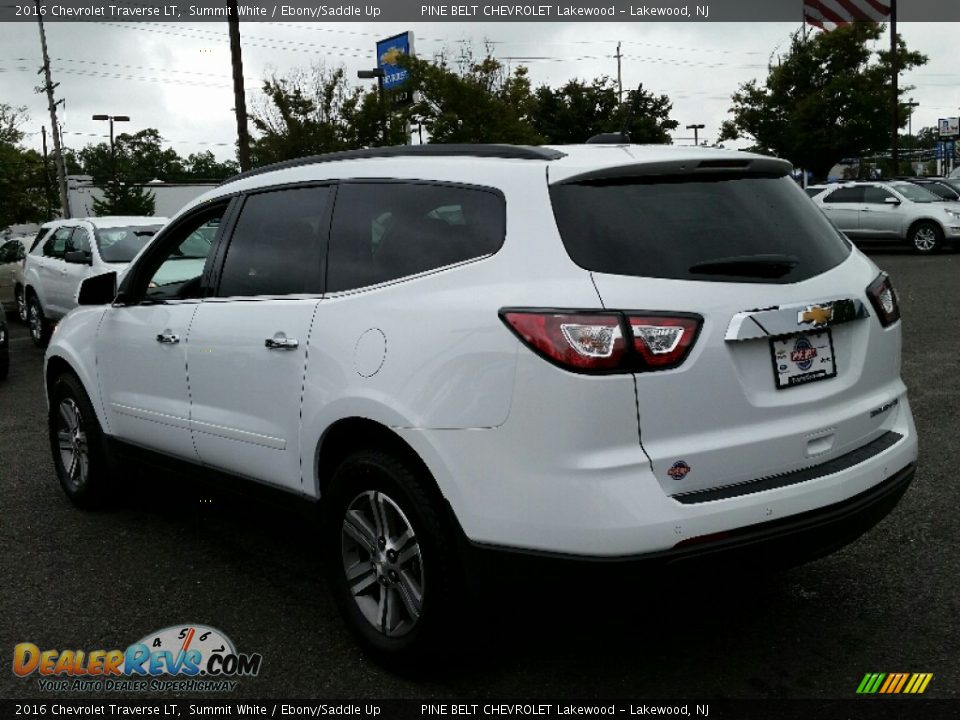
x=926 y=237
x=39 y=325
x=21 y=306
x=81 y=458
x=405 y=582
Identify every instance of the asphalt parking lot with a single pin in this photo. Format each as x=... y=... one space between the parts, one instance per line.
x=180 y=554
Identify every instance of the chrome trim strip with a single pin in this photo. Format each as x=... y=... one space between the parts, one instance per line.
x=793 y=319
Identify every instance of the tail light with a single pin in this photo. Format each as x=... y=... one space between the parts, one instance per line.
x=884 y=300
x=606 y=341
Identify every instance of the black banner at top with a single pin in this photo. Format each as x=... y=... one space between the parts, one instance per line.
x=616 y=11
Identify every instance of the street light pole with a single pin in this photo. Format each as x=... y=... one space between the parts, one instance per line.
x=910 y=106
x=113 y=154
x=695 y=128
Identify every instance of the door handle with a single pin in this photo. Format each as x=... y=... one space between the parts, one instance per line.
x=168 y=338
x=281 y=342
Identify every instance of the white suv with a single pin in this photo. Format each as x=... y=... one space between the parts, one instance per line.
x=65 y=252
x=591 y=352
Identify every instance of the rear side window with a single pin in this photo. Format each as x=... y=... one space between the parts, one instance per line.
x=846 y=195
x=743 y=229
x=277 y=243
x=386 y=231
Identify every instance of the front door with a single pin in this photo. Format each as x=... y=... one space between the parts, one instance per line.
x=142 y=344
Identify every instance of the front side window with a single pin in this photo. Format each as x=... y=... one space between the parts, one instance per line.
x=56 y=244
x=386 y=231
x=176 y=272
x=79 y=241
x=121 y=244
x=875 y=195
x=277 y=244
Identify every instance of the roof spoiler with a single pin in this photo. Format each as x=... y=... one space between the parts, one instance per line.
x=755 y=166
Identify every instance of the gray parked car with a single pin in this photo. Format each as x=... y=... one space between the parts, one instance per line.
x=893 y=210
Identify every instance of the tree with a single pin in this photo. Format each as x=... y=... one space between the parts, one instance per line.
x=478 y=102
x=317 y=111
x=204 y=166
x=827 y=99
x=579 y=110
x=22 y=172
x=139 y=157
x=125 y=199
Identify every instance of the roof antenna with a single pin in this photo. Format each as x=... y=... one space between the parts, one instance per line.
x=622 y=137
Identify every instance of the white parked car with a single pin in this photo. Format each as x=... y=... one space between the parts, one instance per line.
x=897 y=210
x=69 y=251
x=624 y=353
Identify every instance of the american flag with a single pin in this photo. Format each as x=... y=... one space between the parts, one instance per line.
x=831 y=14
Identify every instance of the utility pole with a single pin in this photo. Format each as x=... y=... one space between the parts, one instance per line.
x=894 y=85
x=49 y=87
x=239 y=96
x=46 y=174
x=619 y=76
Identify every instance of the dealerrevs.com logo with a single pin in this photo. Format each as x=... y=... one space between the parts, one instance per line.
x=180 y=658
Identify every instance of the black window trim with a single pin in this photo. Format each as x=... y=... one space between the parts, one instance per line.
x=497 y=192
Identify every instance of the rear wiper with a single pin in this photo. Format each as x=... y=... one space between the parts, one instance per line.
x=761 y=266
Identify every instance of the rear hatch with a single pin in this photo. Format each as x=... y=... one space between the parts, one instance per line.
x=791 y=361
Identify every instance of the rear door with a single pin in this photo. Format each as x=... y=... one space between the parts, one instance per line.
x=247 y=349
x=842 y=206
x=767 y=387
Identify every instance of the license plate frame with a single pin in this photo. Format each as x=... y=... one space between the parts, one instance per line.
x=803 y=358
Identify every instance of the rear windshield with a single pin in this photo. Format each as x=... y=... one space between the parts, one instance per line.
x=720 y=228
x=121 y=244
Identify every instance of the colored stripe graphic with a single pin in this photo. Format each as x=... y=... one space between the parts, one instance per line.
x=894 y=683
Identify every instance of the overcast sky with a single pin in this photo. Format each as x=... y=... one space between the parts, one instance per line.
x=177 y=77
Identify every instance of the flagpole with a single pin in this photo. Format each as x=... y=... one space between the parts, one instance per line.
x=895 y=98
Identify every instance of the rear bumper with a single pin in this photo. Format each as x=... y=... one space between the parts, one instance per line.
x=772 y=544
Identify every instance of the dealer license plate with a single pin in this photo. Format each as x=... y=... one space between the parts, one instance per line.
x=802 y=359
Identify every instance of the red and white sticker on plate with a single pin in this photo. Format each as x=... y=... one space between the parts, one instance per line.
x=803 y=358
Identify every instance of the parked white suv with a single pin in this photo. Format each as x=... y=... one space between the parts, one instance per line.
x=69 y=251
x=590 y=352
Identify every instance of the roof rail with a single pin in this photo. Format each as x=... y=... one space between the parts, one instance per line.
x=511 y=152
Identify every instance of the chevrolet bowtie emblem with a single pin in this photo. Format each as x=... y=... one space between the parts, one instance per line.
x=815 y=315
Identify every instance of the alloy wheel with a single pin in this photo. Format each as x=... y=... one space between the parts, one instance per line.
x=36 y=322
x=925 y=239
x=72 y=440
x=382 y=563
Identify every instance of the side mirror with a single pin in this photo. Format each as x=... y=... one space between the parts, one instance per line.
x=891 y=201
x=78 y=257
x=98 y=290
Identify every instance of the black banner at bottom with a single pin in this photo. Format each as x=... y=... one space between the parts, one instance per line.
x=854 y=709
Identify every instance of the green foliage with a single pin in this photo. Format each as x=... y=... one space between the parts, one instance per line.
x=318 y=111
x=479 y=102
x=22 y=173
x=827 y=99
x=124 y=199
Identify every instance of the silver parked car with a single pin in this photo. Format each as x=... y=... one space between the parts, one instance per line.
x=893 y=210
